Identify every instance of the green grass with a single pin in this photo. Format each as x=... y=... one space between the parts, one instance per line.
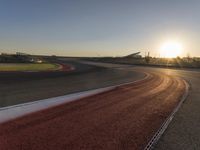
x=28 y=67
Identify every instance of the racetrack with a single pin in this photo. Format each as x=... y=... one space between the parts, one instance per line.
x=123 y=118
x=23 y=87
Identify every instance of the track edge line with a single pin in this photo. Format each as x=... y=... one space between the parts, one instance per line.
x=151 y=144
x=19 y=108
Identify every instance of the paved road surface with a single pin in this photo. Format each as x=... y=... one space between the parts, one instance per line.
x=124 y=118
x=17 y=88
x=184 y=131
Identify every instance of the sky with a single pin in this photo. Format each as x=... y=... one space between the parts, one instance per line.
x=98 y=27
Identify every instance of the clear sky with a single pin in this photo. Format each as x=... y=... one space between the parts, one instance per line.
x=98 y=27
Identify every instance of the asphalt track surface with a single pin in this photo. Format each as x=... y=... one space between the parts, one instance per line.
x=22 y=87
x=123 y=118
x=184 y=133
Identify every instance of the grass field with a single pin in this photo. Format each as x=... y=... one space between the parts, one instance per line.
x=28 y=67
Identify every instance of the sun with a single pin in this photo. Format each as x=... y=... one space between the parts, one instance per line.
x=171 y=49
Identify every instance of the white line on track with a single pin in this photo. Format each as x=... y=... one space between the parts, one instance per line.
x=12 y=112
x=16 y=111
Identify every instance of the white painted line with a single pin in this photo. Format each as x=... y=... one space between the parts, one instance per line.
x=15 y=111
x=12 y=112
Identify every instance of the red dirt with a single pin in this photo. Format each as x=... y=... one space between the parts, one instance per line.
x=124 y=118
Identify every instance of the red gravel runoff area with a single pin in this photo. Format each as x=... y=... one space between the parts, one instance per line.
x=124 y=118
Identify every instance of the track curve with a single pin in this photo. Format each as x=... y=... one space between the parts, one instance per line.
x=124 y=118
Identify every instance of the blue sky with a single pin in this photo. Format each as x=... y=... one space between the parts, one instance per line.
x=98 y=27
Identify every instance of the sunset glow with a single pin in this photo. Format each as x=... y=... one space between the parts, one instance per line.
x=171 y=49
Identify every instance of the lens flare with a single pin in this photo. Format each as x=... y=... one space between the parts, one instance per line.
x=171 y=49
